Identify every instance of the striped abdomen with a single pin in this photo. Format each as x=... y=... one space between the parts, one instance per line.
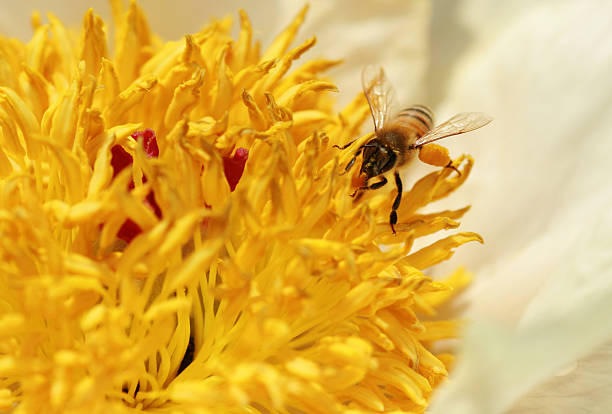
x=417 y=118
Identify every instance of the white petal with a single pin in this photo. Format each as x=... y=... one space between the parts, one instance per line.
x=546 y=82
x=584 y=386
x=541 y=197
x=569 y=318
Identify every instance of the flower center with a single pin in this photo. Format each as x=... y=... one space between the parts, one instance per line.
x=214 y=261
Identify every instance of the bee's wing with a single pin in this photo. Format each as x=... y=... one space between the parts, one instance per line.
x=459 y=124
x=379 y=93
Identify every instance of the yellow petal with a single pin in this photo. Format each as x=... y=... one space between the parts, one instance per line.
x=93 y=43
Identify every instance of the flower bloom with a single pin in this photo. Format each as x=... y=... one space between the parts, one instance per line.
x=177 y=236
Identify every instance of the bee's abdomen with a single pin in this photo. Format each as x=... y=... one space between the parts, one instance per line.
x=417 y=118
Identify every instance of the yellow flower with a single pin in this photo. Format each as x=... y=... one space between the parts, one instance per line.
x=142 y=269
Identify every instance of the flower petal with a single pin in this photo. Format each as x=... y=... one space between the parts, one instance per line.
x=543 y=174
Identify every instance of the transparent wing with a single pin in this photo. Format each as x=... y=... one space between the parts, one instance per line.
x=379 y=93
x=459 y=124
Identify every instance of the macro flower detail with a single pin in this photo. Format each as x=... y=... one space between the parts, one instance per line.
x=249 y=280
x=234 y=166
x=121 y=159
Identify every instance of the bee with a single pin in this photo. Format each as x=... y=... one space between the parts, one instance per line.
x=398 y=138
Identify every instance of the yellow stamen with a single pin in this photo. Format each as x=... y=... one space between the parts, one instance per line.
x=275 y=296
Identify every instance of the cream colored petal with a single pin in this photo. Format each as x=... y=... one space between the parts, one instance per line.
x=587 y=379
x=545 y=81
x=540 y=194
x=567 y=319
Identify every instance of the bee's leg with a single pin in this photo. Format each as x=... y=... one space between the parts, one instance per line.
x=451 y=166
x=357 y=154
x=358 y=196
x=374 y=186
x=396 y=202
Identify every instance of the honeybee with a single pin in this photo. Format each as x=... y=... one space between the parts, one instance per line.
x=399 y=137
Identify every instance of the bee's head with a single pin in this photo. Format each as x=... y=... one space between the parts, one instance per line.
x=377 y=159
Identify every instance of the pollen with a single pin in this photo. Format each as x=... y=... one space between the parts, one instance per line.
x=177 y=233
x=434 y=154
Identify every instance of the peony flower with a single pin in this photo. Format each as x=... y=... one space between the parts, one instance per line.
x=541 y=70
x=178 y=233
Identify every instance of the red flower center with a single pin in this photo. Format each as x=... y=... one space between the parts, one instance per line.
x=120 y=159
x=232 y=166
